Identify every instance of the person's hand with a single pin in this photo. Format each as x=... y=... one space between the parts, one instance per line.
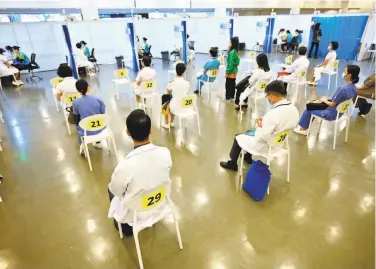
x=259 y=122
x=226 y=75
x=322 y=100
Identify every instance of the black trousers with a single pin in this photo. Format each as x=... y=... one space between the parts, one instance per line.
x=284 y=45
x=235 y=152
x=313 y=44
x=230 y=88
x=363 y=105
x=127 y=229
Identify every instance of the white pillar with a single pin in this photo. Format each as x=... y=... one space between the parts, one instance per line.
x=295 y=10
x=220 y=12
x=89 y=9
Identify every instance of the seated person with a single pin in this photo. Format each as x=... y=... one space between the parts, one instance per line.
x=282 y=39
x=283 y=116
x=6 y=69
x=367 y=90
x=289 y=41
x=145 y=74
x=129 y=177
x=327 y=65
x=177 y=89
x=85 y=49
x=82 y=60
x=10 y=53
x=298 y=65
x=299 y=37
x=68 y=85
x=21 y=61
x=86 y=106
x=262 y=72
x=343 y=93
x=212 y=64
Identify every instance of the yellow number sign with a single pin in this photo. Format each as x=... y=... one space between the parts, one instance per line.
x=288 y=59
x=252 y=54
x=153 y=199
x=69 y=97
x=221 y=59
x=56 y=81
x=213 y=73
x=188 y=101
x=302 y=73
x=261 y=85
x=344 y=106
x=149 y=84
x=121 y=73
x=335 y=64
x=281 y=137
x=95 y=124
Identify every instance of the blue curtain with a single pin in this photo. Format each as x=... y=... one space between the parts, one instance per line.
x=184 y=38
x=346 y=30
x=231 y=28
x=69 y=45
x=14 y=18
x=268 y=41
x=134 y=53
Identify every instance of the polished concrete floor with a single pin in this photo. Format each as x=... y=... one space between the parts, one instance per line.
x=54 y=213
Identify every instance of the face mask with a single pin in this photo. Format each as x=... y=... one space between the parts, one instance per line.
x=343 y=75
x=328 y=47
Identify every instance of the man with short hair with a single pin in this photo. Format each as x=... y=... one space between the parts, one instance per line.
x=282 y=117
x=146 y=167
x=145 y=74
x=212 y=64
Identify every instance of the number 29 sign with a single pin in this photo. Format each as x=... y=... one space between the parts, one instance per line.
x=153 y=199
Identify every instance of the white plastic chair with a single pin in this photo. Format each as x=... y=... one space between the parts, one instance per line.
x=147 y=90
x=278 y=146
x=300 y=80
x=54 y=83
x=147 y=201
x=343 y=107
x=333 y=72
x=356 y=101
x=188 y=108
x=288 y=59
x=1 y=200
x=121 y=78
x=96 y=123
x=251 y=61
x=210 y=74
x=66 y=101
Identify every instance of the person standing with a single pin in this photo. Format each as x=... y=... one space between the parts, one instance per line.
x=233 y=62
x=317 y=34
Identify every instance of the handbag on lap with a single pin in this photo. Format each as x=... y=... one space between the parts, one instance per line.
x=316 y=106
x=257 y=180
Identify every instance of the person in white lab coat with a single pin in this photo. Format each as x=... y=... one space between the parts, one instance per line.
x=81 y=58
x=298 y=65
x=68 y=85
x=146 y=167
x=283 y=116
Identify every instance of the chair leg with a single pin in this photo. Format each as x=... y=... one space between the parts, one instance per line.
x=347 y=127
x=2 y=117
x=88 y=156
x=67 y=123
x=178 y=231
x=117 y=92
x=241 y=167
x=120 y=230
x=180 y=125
x=309 y=126
x=268 y=163
x=305 y=91
x=138 y=249
x=56 y=103
x=337 y=79
x=288 y=166
x=356 y=101
x=335 y=135
x=329 y=82
x=198 y=124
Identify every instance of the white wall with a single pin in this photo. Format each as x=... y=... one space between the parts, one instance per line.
x=368 y=38
x=247 y=31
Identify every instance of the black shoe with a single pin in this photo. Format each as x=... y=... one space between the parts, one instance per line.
x=244 y=106
x=316 y=57
x=248 y=158
x=196 y=92
x=366 y=110
x=229 y=165
x=309 y=56
x=237 y=108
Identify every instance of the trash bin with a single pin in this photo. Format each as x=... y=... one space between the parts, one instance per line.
x=119 y=61
x=165 y=56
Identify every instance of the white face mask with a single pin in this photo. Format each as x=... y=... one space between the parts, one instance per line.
x=343 y=75
x=328 y=47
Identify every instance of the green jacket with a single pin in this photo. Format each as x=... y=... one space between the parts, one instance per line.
x=233 y=61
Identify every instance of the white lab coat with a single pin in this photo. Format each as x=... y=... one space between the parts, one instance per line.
x=331 y=57
x=82 y=60
x=257 y=75
x=299 y=64
x=144 y=168
x=281 y=117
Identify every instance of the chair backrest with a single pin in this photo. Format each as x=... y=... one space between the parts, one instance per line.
x=261 y=85
x=150 y=199
x=33 y=56
x=221 y=59
x=189 y=101
x=344 y=106
x=252 y=54
x=288 y=59
x=148 y=85
x=212 y=73
x=92 y=53
x=121 y=73
x=279 y=139
x=302 y=74
x=68 y=97
x=55 y=81
x=94 y=123
x=335 y=64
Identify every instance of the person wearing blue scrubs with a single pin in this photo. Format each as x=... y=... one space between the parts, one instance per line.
x=146 y=48
x=343 y=93
x=85 y=49
x=298 y=34
x=212 y=64
x=86 y=106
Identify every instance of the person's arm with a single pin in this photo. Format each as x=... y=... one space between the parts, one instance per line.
x=336 y=98
x=169 y=88
x=291 y=68
x=253 y=79
x=75 y=113
x=266 y=128
x=205 y=68
x=138 y=79
x=120 y=180
x=102 y=107
x=230 y=62
x=329 y=103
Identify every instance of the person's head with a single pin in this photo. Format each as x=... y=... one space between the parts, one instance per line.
x=82 y=86
x=146 y=60
x=180 y=69
x=302 y=51
x=288 y=32
x=139 y=126
x=317 y=26
x=262 y=62
x=333 y=45
x=351 y=73
x=213 y=52
x=234 y=43
x=83 y=43
x=78 y=45
x=145 y=39
x=9 y=48
x=275 y=91
x=281 y=30
x=2 y=51
x=64 y=71
x=16 y=49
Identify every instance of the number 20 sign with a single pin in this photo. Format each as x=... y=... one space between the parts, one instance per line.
x=153 y=199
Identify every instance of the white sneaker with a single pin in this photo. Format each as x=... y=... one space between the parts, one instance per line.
x=172 y=125
x=16 y=83
x=167 y=126
x=20 y=82
x=97 y=145
x=299 y=131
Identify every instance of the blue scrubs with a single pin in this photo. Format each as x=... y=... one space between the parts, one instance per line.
x=342 y=94
x=300 y=38
x=87 y=52
x=212 y=64
x=147 y=48
x=289 y=38
x=87 y=105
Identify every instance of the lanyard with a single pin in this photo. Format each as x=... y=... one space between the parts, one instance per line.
x=282 y=105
